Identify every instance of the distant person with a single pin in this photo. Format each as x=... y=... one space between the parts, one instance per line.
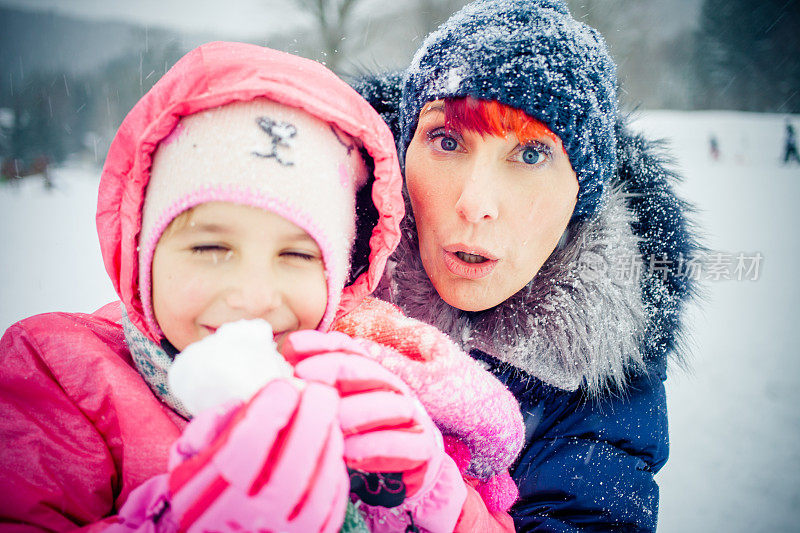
x=742 y=152
x=713 y=145
x=790 y=150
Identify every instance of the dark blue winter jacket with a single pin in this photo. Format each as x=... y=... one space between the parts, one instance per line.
x=587 y=465
x=584 y=346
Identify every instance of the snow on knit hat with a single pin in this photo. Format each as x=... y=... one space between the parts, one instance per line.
x=262 y=154
x=533 y=56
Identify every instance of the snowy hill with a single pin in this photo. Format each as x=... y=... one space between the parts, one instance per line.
x=734 y=417
x=51 y=259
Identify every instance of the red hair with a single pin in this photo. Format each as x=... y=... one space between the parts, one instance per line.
x=489 y=117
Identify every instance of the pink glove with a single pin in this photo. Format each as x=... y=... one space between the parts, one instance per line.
x=385 y=429
x=274 y=463
x=465 y=401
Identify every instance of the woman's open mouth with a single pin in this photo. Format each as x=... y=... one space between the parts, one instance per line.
x=468 y=264
x=471 y=258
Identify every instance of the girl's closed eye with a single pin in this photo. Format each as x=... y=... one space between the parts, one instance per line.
x=203 y=248
x=301 y=255
x=212 y=252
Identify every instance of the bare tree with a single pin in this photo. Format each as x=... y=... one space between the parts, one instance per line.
x=332 y=18
x=431 y=13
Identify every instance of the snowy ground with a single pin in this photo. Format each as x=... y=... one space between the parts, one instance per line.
x=735 y=417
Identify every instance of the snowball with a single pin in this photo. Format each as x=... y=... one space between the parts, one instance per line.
x=233 y=363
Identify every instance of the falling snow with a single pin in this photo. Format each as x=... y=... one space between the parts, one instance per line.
x=734 y=422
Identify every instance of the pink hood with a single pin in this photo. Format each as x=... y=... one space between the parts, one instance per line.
x=213 y=75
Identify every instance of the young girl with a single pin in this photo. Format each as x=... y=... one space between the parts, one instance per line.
x=229 y=193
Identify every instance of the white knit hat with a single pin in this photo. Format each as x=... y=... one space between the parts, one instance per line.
x=262 y=154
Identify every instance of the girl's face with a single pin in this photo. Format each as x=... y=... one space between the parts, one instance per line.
x=489 y=210
x=224 y=262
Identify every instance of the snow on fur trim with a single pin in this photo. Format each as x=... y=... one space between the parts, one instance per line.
x=668 y=238
x=557 y=327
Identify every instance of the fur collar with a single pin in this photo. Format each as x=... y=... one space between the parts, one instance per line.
x=579 y=322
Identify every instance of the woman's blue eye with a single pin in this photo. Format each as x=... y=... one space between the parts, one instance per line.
x=532 y=156
x=448 y=143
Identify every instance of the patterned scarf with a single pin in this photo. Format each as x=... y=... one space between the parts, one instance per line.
x=153 y=363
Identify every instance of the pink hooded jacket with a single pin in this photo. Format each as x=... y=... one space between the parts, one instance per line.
x=80 y=428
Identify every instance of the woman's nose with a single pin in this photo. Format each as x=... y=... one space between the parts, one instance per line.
x=477 y=201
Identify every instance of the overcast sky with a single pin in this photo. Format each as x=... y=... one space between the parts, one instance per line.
x=242 y=19
x=248 y=19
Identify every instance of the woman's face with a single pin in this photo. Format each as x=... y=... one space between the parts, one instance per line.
x=489 y=210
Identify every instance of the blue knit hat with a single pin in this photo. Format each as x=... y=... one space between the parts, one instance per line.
x=533 y=56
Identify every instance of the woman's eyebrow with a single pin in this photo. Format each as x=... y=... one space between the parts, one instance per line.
x=540 y=138
x=433 y=107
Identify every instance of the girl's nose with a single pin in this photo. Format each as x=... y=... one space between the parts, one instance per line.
x=477 y=201
x=256 y=296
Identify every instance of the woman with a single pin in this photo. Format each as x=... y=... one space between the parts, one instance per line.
x=545 y=238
